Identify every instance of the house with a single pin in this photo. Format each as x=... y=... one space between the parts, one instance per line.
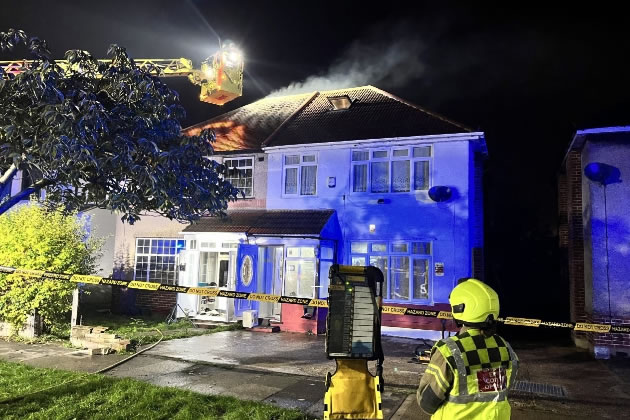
x=151 y=249
x=335 y=177
x=595 y=234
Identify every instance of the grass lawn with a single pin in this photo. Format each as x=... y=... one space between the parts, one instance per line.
x=101 y=397
x=142 y=330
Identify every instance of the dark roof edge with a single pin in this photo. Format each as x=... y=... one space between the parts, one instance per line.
x=289 y=118
x=433 y=114
x=238 y=152
x=580 y=137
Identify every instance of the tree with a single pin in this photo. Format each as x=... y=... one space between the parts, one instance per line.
x=34 y=237
x=103 y=134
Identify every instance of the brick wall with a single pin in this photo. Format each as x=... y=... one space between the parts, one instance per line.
x=162 y=302
x=248 y=203
x=134 y=302
x=616 y=342
x=292 y=321
x=563 y=213
x=575 y=237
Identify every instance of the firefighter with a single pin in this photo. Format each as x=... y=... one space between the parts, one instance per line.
x=469 y=374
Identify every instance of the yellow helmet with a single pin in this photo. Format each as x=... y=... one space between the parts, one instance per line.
x=473 y=301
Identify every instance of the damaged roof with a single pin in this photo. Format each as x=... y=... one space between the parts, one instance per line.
x=313 y=118
x=265 y=222
x=247 y=127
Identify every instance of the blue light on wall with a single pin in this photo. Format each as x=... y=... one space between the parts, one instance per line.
x=440 y=193
x=602 y=173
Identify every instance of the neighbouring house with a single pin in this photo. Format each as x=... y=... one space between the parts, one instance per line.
x=335 y=177
x=151 y=249
x=594 y=198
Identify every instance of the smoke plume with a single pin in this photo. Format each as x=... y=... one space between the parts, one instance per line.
x=385 y=63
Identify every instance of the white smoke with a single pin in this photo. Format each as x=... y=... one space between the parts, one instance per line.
x=387 y=64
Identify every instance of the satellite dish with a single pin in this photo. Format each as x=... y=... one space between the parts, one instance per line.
x=602 y=173
x=440 y=193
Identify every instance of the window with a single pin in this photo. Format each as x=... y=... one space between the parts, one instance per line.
x=300 y=272
x=360 y=160
x=405 y=266
x=392 y=170
x=241 y=174
x=300 y=174
x=156 y=259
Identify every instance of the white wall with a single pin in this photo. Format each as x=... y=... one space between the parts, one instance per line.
x=615 y=215
x=411 y=216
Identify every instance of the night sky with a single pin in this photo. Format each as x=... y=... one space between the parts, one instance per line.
x=528 y=78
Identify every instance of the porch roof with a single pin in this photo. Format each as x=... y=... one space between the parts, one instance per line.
x=265 y=222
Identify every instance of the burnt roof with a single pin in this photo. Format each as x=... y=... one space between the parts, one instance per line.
x=247 y=127
x=311 y=118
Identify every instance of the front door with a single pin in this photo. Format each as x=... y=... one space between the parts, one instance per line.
x=270 y=269
x=246 y=277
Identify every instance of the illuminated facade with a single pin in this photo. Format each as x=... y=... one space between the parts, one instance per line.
x=369 y=159
x=595 y=234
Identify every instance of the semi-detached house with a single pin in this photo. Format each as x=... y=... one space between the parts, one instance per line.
x=329 y=177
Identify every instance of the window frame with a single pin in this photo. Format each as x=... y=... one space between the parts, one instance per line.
x=390 y=167
x=389 y=254
x=253 y=159
x=299 y=260
x=148 y=259
x=298 y=166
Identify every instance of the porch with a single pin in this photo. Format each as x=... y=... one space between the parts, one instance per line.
x=276 y=252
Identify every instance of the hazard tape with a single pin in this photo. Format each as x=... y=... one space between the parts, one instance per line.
x=320 y=303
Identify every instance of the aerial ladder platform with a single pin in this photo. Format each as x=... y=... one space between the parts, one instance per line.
x=220 y=76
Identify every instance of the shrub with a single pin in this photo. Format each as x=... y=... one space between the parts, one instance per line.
x=35 y=238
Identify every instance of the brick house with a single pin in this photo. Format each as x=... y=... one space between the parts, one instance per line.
x=594 y=232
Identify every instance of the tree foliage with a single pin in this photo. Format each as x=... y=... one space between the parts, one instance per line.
x=34 y=237
x=103 y=134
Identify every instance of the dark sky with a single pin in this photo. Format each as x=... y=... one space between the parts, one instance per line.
x=528 y=77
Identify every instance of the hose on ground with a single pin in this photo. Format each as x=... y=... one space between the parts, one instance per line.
x=105 y=369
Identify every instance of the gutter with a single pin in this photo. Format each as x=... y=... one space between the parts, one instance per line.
x=400 y=141
x=580 y=137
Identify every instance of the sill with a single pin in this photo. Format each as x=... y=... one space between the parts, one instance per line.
x=298 y=196
x=369 y=193
x=407 y=302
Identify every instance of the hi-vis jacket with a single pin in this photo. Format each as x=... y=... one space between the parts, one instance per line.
x=468 y=377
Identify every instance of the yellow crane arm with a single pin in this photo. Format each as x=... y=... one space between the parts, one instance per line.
x=163 y=67
x=212 y=77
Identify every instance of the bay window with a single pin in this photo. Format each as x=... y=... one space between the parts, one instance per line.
x=156 y=259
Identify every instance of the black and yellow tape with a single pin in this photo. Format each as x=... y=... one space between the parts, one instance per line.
x=321 y=303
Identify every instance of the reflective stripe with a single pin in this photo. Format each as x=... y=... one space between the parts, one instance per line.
x=438 y=380
x=514 y=363
x=438 y=370
x=459 y=364
x=481 y=397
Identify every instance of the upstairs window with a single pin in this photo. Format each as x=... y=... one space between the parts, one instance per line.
x=300 y=174
x=397 y=169
x=241 y=174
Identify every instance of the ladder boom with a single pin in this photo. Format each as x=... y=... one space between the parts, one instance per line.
x=163 y=67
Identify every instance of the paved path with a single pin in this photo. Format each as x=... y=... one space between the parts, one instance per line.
x=288 y=370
